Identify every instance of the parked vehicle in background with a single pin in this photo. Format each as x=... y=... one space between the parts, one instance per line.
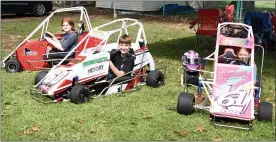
x=37 y=8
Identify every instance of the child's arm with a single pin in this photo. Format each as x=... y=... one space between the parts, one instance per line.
x=117 y=72
x=55 y=44
x=53 y=37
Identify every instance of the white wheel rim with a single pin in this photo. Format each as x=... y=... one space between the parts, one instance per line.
x=12 y=67
x=40 y=9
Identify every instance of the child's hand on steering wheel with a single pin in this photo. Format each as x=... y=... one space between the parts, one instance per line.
x=48 y=39
x=49 y=34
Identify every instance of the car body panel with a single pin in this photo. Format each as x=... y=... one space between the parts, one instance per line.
x=233 y=85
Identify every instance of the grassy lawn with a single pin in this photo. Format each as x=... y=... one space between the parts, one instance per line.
x=265 y=4
x=262 y=6
x=141 y=115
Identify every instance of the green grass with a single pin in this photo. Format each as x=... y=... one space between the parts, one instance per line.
x=222 y=4
x=141 y=115
x=265 y=4
x=262 y=6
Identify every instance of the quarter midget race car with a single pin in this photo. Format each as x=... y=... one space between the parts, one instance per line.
x=232 y=90
x=31 y=54
x=85 y=76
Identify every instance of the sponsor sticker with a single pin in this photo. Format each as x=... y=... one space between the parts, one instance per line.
x=28 y=52
x=94 y=69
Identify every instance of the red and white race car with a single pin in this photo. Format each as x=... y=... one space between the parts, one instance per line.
x=85 y=75
x=31 y=54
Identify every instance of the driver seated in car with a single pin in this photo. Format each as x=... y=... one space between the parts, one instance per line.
x=67 y=43
x=121 y=61
x=243 y=59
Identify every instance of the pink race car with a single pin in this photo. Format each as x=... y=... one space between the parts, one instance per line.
x=233 y=91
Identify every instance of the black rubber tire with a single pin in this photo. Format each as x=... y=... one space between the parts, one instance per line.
x=39 y=9
x=79 y=94
x=265 y=111
x=192 y=78
x=13 y=65
x=40 y=76
x=155 y=79
x=185 y=104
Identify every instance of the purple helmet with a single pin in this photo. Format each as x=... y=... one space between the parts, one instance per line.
x=190 y=60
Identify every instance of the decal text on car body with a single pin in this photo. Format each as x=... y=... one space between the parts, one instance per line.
x=87 y=63
x=97 y=68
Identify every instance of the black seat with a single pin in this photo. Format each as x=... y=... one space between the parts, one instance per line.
x=229 y=54
x=55 y=57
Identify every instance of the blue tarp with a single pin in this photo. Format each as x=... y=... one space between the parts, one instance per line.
x=177 y=9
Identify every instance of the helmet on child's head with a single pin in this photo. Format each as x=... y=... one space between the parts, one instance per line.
x=190 y=60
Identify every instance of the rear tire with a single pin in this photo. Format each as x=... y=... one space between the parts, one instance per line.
x=155 y=79
x=185 y=104
x=40 y=76
x=265 y=111
x=13 y=65
x=79 y=94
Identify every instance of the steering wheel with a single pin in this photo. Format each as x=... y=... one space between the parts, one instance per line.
x=47 y=34
x=231 y=61
x=226 y=60
x=239 y=62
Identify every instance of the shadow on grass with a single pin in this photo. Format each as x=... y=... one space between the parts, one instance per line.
x=174 y=49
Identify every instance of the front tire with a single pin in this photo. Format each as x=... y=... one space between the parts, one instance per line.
x=79 y=94
x=40 y=76
x=13 y=65
x=265 y=111
x=39 y=9
x=185 y=104
x=155 y=79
